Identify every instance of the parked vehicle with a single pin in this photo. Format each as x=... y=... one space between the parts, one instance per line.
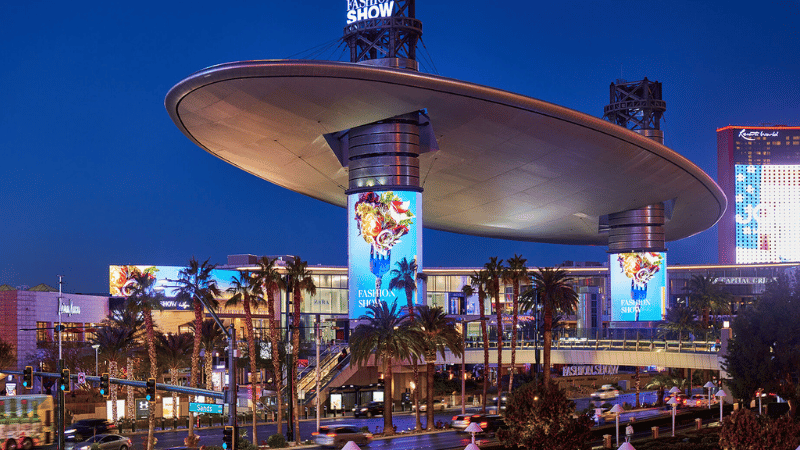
x=106 y=442
x=33 y=428
x=82 y=429
x=698 y=400
x=438 y=404
x=503 y=401
x=605 y=392
x=336 y=436
x=682 y=400
x=368 y=410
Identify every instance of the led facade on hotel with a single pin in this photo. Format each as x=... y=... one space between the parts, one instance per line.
x=759 y=170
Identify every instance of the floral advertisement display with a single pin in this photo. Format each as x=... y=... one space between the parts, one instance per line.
x=638 y=286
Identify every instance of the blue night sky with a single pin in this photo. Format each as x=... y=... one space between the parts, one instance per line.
x=95 y=173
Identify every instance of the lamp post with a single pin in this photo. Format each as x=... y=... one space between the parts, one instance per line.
x=709 y=385
x=616 y=410
x=721 y=394
x=96 y=364
x=674 y=402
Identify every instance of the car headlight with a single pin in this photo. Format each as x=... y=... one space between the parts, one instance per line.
x=364 y=409
x=70 y=431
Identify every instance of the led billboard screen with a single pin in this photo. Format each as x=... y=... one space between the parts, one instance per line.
x=383 y=235
x=638 y=286
x=121 y=282
x=767 y=213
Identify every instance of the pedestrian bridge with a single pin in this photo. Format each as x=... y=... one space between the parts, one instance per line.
x=696 y=355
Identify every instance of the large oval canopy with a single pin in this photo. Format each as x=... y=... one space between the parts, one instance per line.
x=508 y=166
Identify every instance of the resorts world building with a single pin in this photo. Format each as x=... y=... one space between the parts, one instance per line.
x=759 y=171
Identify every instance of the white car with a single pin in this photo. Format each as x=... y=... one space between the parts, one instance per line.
x=605 y=392
x=438 y=404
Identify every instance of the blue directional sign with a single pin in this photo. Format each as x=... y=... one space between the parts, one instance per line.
x=207 y=408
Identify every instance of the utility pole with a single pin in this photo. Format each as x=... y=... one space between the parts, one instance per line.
x=59 y=367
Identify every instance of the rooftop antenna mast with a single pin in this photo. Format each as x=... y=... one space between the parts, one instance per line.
x=383 y=33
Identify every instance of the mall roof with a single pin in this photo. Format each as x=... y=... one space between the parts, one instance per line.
x=508 y=166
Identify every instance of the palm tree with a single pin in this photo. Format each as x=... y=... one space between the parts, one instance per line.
x=212 y=338
x=144 y=300
x=173 y=353
x=115 y=343
x=246 y=290
x=494 y=270
x=300 y=280
x=438 y=334
x=404 y=277
x=515 y=273
x=125 y=318
x=479 y=280
x=271 y=283
x=196 y=284
x=555 y=294
x=384 y=332
x=706 y=295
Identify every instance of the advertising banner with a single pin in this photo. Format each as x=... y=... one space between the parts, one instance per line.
x=121 y=282
x=638 y=286
x=384 y=242
x=767 y=213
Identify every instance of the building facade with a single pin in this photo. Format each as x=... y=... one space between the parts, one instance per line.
x=759 y=169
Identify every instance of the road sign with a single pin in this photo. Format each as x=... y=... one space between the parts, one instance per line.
x=208 y=408
x=81 y=377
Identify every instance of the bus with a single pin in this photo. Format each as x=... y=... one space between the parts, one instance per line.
x=26 y=421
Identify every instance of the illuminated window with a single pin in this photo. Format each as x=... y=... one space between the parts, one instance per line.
x=44 y=332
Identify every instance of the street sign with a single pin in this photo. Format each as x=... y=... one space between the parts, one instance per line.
x=208 y=408
x=81 y=377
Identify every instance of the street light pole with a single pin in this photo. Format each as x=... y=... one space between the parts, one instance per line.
x=317 y=370
x=96 y=348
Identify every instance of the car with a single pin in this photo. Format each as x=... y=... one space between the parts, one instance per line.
x=438 y=404
x=490 y=423
x=682 y=400
x=605 y=392
x=82 y=429
x=698 y=400
x=503 y=401
x=368 y=410
x=106 y=442
x=336 y=436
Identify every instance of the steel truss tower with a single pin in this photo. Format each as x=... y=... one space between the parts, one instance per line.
x=637 y=105
x=386 y=41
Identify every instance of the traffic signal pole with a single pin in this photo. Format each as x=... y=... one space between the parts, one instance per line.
x=233 y=388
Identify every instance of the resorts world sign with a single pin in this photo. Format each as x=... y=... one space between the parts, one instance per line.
x=358 y=10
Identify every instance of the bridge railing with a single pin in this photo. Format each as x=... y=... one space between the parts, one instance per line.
x=643 y=340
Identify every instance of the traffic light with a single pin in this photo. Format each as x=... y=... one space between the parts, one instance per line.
x=104 y=390
x=63 y=382
x=229 y=437
x=27 y=377
x=150 y=390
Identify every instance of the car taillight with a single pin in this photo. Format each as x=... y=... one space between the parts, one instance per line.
x=331 y=434
x=455 y=417
x=484 y=424
x=315 y=433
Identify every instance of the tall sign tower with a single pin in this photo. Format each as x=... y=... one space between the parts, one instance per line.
x=638 y=258
x=383 y=33
x=384 y=196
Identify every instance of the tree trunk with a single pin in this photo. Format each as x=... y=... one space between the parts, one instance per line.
x=548 y=341
x=388 y=426
x=198 y=342
x=485 y=333
x=173 y=375
x=431 y=366
x=251 y=350
x=112 y=368
x=130 y=404
x=295 y=356
x=277 y=375
x=499 y=343
x=514 y=319
x=418 y=418
x=151 y=351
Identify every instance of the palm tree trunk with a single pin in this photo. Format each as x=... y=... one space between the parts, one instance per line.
x=499 y=344
x=198 y=342
x=173 y=375
x=388 y=400
x=295 y=363
x=418 y=418
x=130 y=410
x=514 y=319
x=277 y=375
x=112 y=368
x=485 y=335
x=431 y=366
x=251 y=350
x=151 y=351
x=548 y=341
